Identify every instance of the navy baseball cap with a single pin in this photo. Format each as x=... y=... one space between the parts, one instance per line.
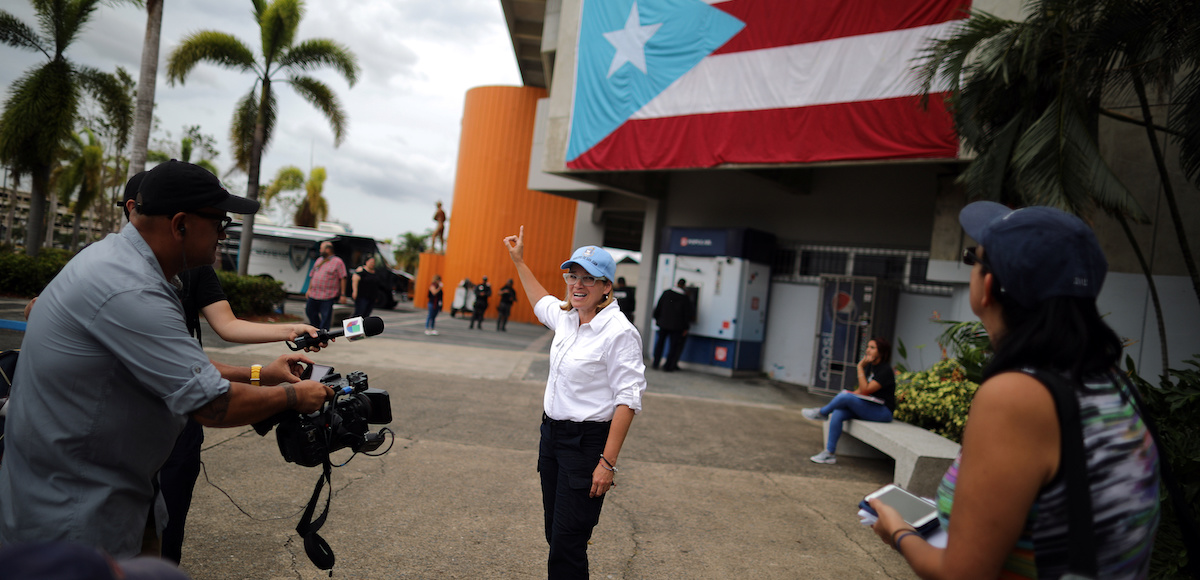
x=596 y=260
x=177 y=186
x=1037 y=252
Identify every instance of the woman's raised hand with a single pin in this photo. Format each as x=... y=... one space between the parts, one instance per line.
x=516 y=246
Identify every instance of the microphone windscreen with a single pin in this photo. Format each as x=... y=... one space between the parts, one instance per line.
x=373 y=325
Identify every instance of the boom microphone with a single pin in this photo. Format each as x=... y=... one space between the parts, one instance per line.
x=356 y=328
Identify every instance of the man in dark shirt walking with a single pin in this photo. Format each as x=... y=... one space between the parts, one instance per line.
x=482 y=292
x=673 y=314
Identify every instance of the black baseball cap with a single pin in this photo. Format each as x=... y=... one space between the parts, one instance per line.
x=1037 y=252
x=177 y=186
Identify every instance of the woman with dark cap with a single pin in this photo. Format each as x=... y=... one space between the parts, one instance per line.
x=592 y=393
x=1004 y=502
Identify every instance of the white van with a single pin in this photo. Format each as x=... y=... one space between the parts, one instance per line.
x=287 y=254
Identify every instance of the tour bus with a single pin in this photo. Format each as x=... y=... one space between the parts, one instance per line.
x=287 y=254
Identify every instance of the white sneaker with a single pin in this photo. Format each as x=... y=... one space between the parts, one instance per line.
x=427 y=332
x=824 y=457
x=813 y=413
x=433 y=332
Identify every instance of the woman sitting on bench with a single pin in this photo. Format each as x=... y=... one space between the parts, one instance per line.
x=873 y=400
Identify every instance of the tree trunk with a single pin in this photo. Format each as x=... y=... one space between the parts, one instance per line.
x=147 y=77
x=51 y=219
x=35 y=222
x=75 y=232
x=1168 y=189
x=1158 y=315
x=256 y=151
x=12 y=209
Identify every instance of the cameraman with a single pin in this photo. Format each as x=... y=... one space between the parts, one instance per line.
x=108 y=375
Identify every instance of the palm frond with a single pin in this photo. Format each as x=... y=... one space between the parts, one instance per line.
x=17 y=34
x=323 y=98
x=108 y=90
x=69 y=22
x=241 y=129
x=1185 y=120
x=212 y=47
x=278 y=24
x=288 y=178
x=320 y=52
x=39 y=114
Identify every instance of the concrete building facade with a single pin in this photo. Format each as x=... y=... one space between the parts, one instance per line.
x=890 y=218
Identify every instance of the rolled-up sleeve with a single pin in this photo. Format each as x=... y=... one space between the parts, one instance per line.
x=145 y=331
x=627 y=370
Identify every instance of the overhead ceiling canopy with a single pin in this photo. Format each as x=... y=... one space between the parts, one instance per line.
x=525 y=19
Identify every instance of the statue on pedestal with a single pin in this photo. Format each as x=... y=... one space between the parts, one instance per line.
x=439 y=231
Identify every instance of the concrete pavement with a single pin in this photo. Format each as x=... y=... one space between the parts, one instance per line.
x=715 y=480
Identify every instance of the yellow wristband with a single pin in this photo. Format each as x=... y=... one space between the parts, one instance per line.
x=255 y=374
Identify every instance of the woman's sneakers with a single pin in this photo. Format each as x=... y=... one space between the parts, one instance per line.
x=824 y=457
x=813 y=413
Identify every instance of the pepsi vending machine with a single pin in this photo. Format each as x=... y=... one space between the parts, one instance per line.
x=853 y=309
x=728 y=276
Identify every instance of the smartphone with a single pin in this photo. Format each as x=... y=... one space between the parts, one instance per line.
x=916 y=512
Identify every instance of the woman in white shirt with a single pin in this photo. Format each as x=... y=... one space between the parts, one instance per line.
x=595 y=387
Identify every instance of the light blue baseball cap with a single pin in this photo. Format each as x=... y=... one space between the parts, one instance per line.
x=596 y=260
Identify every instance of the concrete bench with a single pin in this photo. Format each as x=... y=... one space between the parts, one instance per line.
x=922 y=457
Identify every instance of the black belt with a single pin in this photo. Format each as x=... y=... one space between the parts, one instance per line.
x=546 y=420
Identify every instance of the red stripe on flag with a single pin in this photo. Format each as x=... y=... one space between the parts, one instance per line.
x=772 y=24
x=866 y=130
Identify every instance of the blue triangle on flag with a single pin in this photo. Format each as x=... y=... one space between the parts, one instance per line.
x=630 y=51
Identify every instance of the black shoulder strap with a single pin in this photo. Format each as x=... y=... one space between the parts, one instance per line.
x=1081 y=544
x=315 y=546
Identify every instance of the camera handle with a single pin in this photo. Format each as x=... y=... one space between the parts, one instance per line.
x=315 y=546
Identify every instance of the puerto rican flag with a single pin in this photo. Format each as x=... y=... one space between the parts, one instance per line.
x=698 y=83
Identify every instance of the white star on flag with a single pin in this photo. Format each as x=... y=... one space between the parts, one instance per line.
x=630 y=42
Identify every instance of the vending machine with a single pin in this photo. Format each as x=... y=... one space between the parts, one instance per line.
x=853 y=309
x=728 y=277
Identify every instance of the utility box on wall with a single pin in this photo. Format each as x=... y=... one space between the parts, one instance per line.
x=852 y=310
x=728 y=278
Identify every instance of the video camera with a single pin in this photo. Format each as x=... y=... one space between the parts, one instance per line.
x=308 y=439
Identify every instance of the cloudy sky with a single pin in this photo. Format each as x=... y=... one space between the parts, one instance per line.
x=418 y=59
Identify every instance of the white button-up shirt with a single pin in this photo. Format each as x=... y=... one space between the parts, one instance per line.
x=593 y=367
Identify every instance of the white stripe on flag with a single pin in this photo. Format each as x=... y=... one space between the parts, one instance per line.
x=867 y=67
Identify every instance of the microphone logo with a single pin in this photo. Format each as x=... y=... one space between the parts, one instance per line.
x=353 y=328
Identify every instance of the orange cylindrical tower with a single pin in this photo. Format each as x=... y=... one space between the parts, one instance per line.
x=491 y=200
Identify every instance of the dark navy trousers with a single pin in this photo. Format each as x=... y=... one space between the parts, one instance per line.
x=567 y=456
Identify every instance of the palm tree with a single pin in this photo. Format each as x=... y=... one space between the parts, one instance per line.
x=283 y=60
x=288 y=178
x=313 y=208
x=408 y=255
x=1026 y=97
x=192 y=141
x=147 y=78
x=81 y=178
x=42 y=105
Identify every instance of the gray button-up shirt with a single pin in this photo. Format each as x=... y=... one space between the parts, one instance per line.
x=106 y=377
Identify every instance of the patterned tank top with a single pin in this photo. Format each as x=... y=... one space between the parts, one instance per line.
x=1123 y=477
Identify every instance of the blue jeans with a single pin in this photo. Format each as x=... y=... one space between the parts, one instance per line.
x=431 y=318
x=320 y=312
x=847 y=406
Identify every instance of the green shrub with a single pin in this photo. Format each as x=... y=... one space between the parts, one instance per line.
x=1175 y=408
x=21 y=275
x=937 y=399
x=251 y=295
